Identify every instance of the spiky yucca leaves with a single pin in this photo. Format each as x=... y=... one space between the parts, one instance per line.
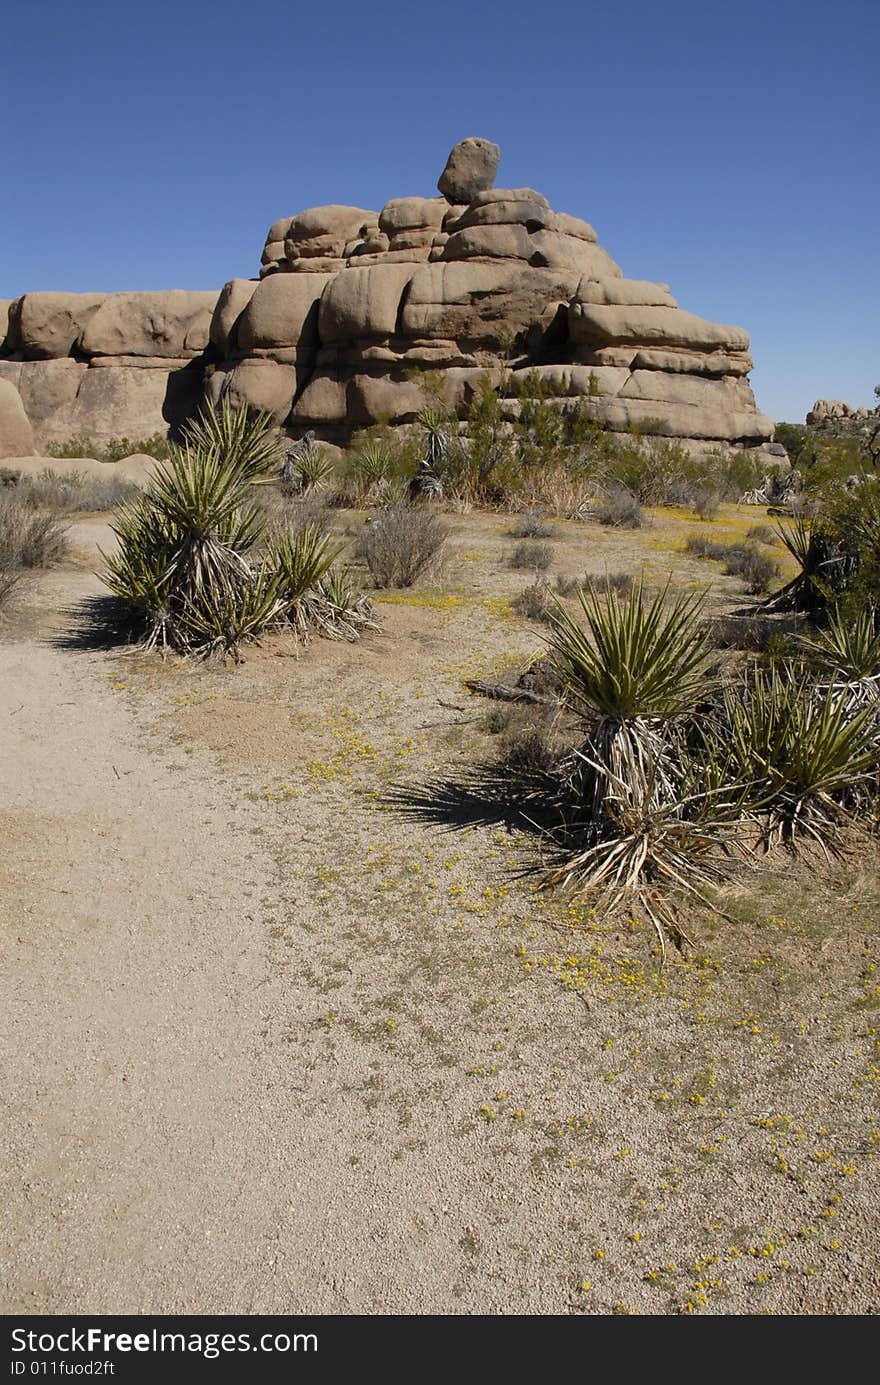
x=641 y=827
x=637 y=827
x=824 y=572
x=370 y=466
x=185 y=564
x=632 y=658
x=249 y=443
x=848 y=650
x=807 y=758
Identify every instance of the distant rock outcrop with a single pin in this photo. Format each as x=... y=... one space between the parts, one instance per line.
x=352 y=305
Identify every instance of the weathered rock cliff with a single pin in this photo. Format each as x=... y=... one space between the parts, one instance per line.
x=352 y=305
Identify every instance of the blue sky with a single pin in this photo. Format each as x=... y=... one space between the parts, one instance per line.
x=729 y=150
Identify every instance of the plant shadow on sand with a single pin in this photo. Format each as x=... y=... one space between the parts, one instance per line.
x=95 y=623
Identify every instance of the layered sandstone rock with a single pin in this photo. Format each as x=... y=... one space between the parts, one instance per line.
x=350 y=307
x=483 y=281
x=103 y=366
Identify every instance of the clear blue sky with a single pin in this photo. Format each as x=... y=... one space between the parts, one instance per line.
x=727 y=149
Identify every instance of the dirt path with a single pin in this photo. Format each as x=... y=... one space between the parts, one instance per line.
x=132 y=913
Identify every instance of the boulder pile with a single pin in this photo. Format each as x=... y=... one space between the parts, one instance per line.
x=352 y=306
x=98 y=366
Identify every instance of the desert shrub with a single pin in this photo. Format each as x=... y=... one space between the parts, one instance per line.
x=535 y=602
x=849 y=646
x=531 y=554
x=157 y=446
x=400 y=544
x=754 y=634
x=747 y=561
x=75 y=491
x=308 y=470
x=620 y=509
x=752 y=565
x=187 y=568
x=762 y=533
x=620 y=582
x=706 y=503
x=529 y=744
x=838 y=554
x=28 y=539
x=532 y=525
x=9 y=581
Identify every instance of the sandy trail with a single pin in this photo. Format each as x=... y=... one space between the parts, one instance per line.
x=179 y=1136
x=144 y=1151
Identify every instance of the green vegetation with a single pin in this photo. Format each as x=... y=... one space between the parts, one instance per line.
x=156 y=446
x=28 y=540
x=401 y=544
x=197 y=569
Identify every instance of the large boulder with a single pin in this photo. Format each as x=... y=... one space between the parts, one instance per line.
x=46 y=325
x=321 y=232
x=594 y=324
x=705 y=422
x=618 y=292
x=483 y=303
x=323 y=403
x=5 y=308
x=264 y=386
x=412 y=213
x=825 y=409
x=234 y=298
x=49 y=392
x=363 y=303
x=167 y=322
x=283 y=311
x=16 y=434
x=470 y=168
x=122 y=401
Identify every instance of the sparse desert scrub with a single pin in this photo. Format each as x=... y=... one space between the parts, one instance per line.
x=620 y=509
x=69 y=492
x=28 y=539
x=748 y=561
x=400 y=544
x=535 y=602
x=532 y=525
x=157 y=446
x=197 y=570
x=806 y=755
x=531 y=554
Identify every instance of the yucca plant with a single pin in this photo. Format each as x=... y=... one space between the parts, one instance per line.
x=807 y=757
x=371 y=465
x=848 y=650
x=248 y=443
x=307 y=470
x=824 y=569
x=637 y=826
x=185 y=562
x=632 y=658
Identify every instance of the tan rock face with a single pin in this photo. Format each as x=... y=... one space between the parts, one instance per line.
x=45 y=325
x=363 y=303
x=16 y=434
x=283 y=311
x=173 y=322
x=234 y=298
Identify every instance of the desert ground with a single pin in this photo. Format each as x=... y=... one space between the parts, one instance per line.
x=274 y=1044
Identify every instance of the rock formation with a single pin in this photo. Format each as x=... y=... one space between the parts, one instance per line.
x=352 y=305
x=100 y=366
